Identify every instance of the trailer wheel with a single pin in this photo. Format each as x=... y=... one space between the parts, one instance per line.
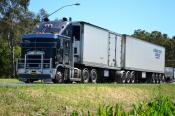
x=157 y=78
x=123 y=77
x=132 y=75
x=94 y=76
x=128 y=76
x=161 y=77
x=85 y=75
x=153 y=78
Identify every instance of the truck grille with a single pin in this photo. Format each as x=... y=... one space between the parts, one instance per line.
x=33 y=61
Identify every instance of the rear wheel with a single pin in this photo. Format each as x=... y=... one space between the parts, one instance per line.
x=123 y=77
x=85 y=75
x=128 y=76
x=132 y=75
x=153 y=78
x=94 y=76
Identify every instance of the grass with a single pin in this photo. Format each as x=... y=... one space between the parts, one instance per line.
x=63 y=99
x=9 y=80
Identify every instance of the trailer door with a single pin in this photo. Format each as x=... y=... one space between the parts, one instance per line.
x=112 y=50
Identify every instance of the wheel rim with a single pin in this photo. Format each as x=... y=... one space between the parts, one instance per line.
x=85 y=75
x=128 y=77
x=123 y=79
x=153 y=78
x=132 y=77
x=94 y=75
x=59 y=77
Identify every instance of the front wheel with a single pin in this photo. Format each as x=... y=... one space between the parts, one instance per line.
x=58 y=77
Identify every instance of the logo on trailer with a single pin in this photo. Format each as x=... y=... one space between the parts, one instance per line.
x=157 y=53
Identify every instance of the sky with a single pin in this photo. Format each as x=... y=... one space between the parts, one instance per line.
x=121 y=16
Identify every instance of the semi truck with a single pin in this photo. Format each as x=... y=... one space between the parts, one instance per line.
x=68 y=51
x=169 y=74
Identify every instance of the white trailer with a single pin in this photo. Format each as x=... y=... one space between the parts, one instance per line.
x=145 y=57
x=124 y=58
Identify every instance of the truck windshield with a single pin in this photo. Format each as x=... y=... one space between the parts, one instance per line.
x=47 y=45
x=38 y=43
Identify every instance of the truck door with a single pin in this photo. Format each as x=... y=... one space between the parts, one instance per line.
x=112 y=50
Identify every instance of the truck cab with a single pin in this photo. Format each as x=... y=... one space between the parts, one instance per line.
x=46 y=52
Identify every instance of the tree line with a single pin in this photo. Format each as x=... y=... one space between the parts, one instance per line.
x=16 y=19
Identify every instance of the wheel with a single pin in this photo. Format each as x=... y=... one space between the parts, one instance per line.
x=85 y=75
x=128 y=76
x=58 y=77
x=132 y=76
x=153 y=78
x=157 y=78
x=28 y=81
x=94 y=76
x=123 y=77
x=161 y=78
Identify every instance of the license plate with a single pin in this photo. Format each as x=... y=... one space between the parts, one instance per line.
x=33 y=72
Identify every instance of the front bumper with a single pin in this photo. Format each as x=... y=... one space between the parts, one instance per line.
x=35 y=74
x=25 y=77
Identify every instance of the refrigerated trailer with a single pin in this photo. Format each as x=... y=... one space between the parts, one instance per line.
x=65 y=51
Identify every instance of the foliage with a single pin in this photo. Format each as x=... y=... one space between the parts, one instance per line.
x=161 y=106
x=15 y=20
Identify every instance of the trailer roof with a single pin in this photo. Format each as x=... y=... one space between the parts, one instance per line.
x=83 y=22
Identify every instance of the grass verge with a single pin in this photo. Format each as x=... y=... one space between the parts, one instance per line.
x=63 y=99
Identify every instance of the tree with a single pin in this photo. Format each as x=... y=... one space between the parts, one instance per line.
x=15 y=19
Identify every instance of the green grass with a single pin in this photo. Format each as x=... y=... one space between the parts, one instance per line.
x=63 y=99
x=9 y=81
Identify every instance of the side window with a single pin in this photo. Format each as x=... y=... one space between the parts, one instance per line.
x=75 y=50
x=67 y=31
x=76 y=33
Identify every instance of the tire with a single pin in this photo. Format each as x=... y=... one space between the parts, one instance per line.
x=153 y=78
x=58 y=77
x=85 y=75
x=94 y=76
x=128 y=77
x=123 y=77
x=28 y=81
x=132 y=76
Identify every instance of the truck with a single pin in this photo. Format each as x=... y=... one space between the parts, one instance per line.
x=77 y=51
x=169 y=74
